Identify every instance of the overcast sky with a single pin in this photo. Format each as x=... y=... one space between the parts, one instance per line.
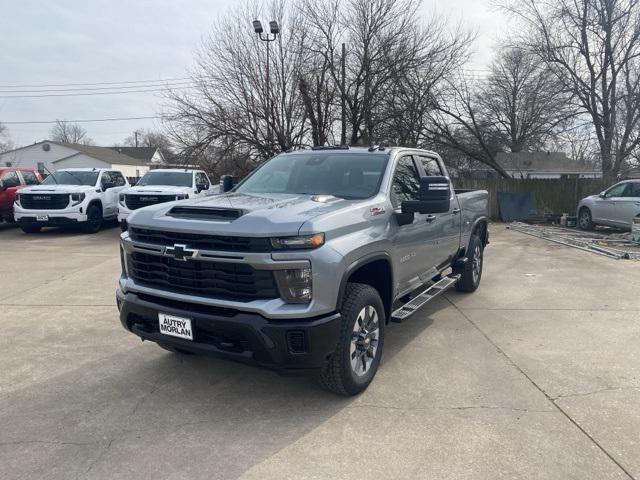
x=58 y=42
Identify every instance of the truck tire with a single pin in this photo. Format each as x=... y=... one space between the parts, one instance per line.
x=471 y=273
x=30 y=228
x=585 y=220
x=355 y=360
x=94 y=220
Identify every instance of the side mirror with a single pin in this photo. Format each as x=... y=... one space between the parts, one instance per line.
x=602 y=194
x=226 y=183
x=201 y=186
x=434 y=197
x=107 y=185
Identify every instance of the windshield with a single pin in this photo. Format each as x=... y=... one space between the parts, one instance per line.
x=173 y=179
x=346 y=175
x=72 y=178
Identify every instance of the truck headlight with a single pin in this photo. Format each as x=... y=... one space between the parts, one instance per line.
x=17 y=199
x=301 y=241
x=77 y=198
x=295 y=284
x=123 y=261
x=121 y=199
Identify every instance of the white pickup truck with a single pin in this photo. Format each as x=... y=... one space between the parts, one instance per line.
x=77 y=196
x=163 y=185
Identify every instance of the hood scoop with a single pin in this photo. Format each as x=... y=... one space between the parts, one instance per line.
x=206 y=213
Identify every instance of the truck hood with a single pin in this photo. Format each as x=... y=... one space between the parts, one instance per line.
x=261 y=214
x=159 y=189
x=57 y=189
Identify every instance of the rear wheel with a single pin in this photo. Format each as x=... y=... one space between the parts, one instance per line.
x=94 y=219
x=471 y=273
x=356 y=358
x=30 y=228
x=585 y=220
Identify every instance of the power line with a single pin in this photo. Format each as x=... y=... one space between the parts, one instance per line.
x=92 y=93
x=33 y=122
x=34 y=85
x=98 y=88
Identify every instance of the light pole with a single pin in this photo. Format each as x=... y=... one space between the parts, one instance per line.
x=274 y=30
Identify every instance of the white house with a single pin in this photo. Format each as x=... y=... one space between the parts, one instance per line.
x=49 y=156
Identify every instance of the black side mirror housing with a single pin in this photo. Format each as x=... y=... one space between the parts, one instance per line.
x=434 y=197
x=107 y=186
x=226 y=183
x=200 y=187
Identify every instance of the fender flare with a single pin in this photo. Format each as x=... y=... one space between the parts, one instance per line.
x=361 y=262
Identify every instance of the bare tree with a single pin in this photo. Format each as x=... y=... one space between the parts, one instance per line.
x=593 y=47
x=233 y=105
x=520 y=106
x=151 y=138
x=5 y=142
x=67 y=132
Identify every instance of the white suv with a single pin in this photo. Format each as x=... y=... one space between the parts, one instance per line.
x=163 y=185
x=74 y=196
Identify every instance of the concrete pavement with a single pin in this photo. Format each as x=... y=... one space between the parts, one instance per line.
x=536 y=375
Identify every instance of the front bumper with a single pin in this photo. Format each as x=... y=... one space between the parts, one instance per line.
x=304 y=344
x=123 y=214
x=69 y=216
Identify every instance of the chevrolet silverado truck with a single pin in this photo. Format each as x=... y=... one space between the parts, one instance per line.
x=301 y=266
x=83 y=197
x=163 y=185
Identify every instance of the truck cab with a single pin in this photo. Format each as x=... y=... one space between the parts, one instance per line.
x=13 y=180
x=163 y=185
x=83 y=197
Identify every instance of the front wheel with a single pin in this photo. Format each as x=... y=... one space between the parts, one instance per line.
x=585 y=220
x=471 y=273
x=94 y=219
x=356 y=358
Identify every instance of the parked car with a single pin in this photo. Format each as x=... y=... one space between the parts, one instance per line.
x=163 y=185
x=13 y=180
x=77 y=196
x=615 y=207
x=303 y=263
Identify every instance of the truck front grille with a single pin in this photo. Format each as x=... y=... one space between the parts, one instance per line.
x=138 y=201
x=201 y=241
x=44 y=201
x=223 y=280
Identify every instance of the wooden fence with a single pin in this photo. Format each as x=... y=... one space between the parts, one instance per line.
x=555 y=196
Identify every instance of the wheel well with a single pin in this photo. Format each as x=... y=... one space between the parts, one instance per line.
x=481 y=230
x=379 y=275
x=98 y=203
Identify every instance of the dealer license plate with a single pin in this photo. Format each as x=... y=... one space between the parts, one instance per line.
x=42 y=218
x=175 y=326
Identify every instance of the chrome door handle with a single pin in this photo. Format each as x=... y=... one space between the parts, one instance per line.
x=430 y=218
x=456 y=211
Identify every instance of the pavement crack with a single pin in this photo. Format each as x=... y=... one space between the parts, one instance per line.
x=594 y=392
x=539 y=388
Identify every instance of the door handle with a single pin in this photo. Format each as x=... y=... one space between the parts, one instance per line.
x=456 y=211
x=430 y=218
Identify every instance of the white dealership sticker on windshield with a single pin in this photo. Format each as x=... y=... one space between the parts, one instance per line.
x=175 y=326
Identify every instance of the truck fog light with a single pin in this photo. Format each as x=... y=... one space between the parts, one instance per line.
x=295 y=285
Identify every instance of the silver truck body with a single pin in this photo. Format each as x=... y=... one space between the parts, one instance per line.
x=358 y=233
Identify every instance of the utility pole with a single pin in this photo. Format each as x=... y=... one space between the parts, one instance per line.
x=343 y=95
x=135 y=134
x=274 y=30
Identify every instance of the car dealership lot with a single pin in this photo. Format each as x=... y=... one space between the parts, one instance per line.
x=536 y=375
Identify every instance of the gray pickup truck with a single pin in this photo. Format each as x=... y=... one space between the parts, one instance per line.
x=303 y=263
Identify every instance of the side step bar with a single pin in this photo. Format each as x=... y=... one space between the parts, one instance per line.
x=425 y=297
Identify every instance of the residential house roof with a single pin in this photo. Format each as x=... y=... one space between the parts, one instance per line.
x=106 y=154
x=548 y=162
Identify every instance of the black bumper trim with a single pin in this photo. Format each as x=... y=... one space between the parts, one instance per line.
x=52 y=222
x=245 y=337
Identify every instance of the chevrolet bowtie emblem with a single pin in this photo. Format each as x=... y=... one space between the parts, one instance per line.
x=180 y=252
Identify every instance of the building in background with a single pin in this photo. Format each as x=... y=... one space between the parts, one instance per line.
x=538 y=165
x=48 y=156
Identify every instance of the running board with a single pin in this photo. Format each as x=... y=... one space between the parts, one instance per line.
x=413 y=305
